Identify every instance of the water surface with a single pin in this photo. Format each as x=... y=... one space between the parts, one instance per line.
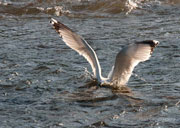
x=43 y=83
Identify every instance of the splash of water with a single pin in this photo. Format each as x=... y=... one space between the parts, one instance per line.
x=132 y=4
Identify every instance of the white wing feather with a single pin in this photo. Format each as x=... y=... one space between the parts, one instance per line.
x=78 y=44
x=128 y=58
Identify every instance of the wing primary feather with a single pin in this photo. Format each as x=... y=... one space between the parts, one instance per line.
x=151 y=43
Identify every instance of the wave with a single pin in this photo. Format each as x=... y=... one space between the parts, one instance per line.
x=76 y=7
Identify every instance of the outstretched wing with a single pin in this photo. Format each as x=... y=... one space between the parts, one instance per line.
x=128 y=58
x=78 y=44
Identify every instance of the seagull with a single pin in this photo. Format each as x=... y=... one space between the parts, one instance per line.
x=126 y=60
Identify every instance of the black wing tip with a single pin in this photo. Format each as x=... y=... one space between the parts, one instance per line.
x=55 y=24
x=58 y=25
x=152 y=43
x=53 y=21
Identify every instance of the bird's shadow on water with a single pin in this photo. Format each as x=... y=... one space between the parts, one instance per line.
x=119 y=100
x=98 y=93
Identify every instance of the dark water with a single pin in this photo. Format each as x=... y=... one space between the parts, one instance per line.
x=43 y=83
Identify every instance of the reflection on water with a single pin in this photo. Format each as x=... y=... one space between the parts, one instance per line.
x=43 y=83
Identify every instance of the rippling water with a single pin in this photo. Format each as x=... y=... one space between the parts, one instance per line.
x=43 y=83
